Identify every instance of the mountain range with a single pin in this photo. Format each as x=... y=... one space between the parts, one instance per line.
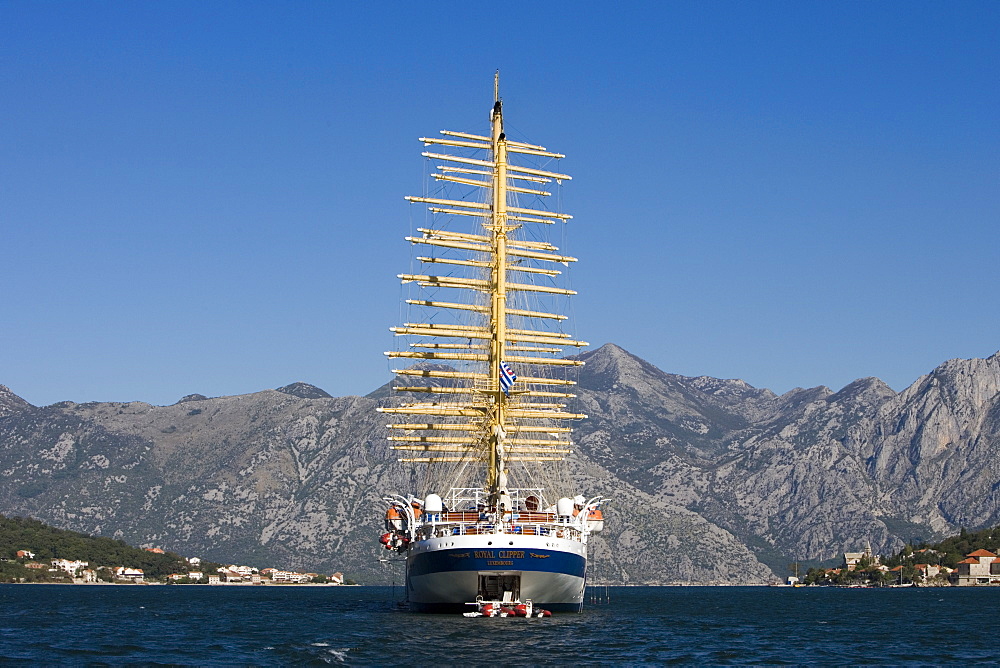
x=712 y=480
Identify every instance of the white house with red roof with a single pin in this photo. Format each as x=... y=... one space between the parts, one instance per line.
x=977 y=568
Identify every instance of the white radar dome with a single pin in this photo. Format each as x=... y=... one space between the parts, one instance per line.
x=433 y=504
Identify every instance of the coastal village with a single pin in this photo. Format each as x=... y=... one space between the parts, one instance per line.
x=920 y=567
x=82 y=572
x=858 y=569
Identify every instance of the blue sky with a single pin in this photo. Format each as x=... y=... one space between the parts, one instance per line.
x=208 y=197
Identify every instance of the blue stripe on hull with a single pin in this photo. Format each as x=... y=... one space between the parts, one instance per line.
x=492 y=560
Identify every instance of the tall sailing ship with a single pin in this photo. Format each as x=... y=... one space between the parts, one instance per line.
x=493 y=517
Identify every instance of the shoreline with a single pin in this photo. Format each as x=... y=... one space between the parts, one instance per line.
x=213 y=586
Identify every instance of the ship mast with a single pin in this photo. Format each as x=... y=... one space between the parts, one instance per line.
x=481 y=418
x=496 y=482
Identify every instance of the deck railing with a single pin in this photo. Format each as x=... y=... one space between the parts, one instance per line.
x=412 y=521
x=439 y=525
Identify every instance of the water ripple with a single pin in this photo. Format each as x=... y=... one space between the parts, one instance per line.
x=199 y=625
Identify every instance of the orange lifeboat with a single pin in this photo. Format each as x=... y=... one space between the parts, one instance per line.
x=595 y=520
x=393 y=520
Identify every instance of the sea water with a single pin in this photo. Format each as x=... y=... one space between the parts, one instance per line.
x=282 y=625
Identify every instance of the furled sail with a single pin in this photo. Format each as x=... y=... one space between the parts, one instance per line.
x=486 y=363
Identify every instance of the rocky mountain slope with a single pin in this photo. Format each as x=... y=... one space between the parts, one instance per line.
x=713 y=480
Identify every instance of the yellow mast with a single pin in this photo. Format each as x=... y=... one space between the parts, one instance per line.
x=496 y=482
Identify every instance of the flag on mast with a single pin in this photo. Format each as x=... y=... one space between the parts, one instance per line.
x=507 y=378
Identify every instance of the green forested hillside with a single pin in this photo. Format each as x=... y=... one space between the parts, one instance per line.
x=47 y=543
x=951 y=550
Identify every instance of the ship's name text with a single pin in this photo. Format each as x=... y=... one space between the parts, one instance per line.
x=500 y=554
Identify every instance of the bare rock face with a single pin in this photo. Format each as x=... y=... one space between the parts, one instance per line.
x=11 y=403
x=713 y=480
x=266 y=477
x=935 y=446
x=811 y=473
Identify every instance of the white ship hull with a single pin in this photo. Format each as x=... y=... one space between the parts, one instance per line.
x=444 y=574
